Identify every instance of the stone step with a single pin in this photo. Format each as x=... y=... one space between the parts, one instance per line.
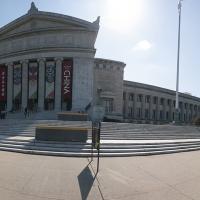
x=18 y=136
x=102 y=154
x=104 y=148
x=110 y=145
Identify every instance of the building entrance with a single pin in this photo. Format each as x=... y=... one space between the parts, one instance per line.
x=16 y=105
x=32 y=105
x=67 y=105
x=49 y=104
x=2 y=105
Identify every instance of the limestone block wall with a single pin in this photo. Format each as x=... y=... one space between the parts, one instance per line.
x=82 y=90
x=38 y=42
x=147 y=102
x=43 y=37
x=108 y=76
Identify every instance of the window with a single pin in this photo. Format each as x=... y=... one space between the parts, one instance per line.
x=161 y=115
x=154 y=114
x=124 y=95
x=167 y=115
x=130 y=111
x=139 y=98
x=147 y=99
x=168 y=102
x=108 y=104
x=131 y=97
x=155 y=99
x=139 y=112
x=146 y=113
x=174 y=103
x=186 y=105
x=162 y=101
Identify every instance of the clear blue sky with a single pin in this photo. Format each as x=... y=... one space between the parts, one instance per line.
x=141 y=33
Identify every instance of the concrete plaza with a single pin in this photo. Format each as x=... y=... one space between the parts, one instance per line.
x=166 y=177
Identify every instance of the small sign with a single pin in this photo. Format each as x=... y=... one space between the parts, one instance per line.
x=98 y=113
x=96 y=126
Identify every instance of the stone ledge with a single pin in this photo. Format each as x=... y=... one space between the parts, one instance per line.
x=61 y=128
x=61 y=134
x=70 y=116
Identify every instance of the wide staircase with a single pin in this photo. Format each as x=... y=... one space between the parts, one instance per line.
x=117 y=139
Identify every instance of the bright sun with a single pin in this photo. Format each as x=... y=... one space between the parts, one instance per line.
x=122 y=15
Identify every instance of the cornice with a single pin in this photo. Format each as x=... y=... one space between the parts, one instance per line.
x=49 y=49
x=90 y=26
x=23 y=34
x=158 y=89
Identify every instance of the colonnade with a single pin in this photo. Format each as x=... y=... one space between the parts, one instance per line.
x=155 y=110
x=41 y=63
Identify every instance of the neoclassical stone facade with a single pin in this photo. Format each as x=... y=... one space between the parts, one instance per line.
x=149 y=103
x=47 y=62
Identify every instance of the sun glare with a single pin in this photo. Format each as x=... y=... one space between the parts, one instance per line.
x=122 y=15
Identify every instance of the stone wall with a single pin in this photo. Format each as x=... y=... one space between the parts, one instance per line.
x=108 y=77
x=151 y=103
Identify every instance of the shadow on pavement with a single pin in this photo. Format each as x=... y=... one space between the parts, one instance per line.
x=86 y=180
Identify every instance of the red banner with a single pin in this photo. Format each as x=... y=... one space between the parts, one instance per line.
x=67 y=70
x=3 y=83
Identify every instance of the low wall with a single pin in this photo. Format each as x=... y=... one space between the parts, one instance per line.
x=61 y=134
x=69 y=116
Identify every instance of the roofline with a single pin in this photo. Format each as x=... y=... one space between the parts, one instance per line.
x=90 y=25
x=159 y=89
x=109 y=60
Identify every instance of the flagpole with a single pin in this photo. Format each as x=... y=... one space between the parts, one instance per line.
x=178 y=56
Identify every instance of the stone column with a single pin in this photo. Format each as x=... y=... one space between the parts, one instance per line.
x=41 y=84
x=170 y=109
x=164 y=108
x=182 y=112
x=143 y=106
x=135 y=106
x=10 y=86
x=192 y=111
x=58 y=84
x=187 y=114
x=24 y=83
x=82 y=87
x=151 y=108
x=158 y=109
x=198 y=111
x=124 y=105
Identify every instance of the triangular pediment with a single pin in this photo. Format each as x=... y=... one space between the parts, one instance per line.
x=46 y=21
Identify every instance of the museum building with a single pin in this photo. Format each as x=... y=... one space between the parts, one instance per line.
x=47 y=62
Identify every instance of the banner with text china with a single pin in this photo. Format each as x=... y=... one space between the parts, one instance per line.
x=67 y=75
x=3 y=83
